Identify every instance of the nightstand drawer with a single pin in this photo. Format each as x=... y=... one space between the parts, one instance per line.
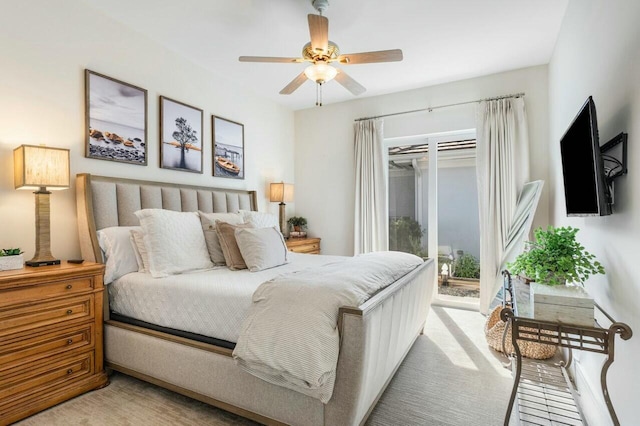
x=43 y=291
x=37 y=376
x=15 y=351
x=34 y=316
x=307 y=248
x=308 y=245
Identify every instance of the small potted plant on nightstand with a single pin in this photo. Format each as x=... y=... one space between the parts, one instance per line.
x=299 y=225
x=554 y=259
x=11 y=259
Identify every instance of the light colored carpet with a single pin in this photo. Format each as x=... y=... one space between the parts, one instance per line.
x=450 y=377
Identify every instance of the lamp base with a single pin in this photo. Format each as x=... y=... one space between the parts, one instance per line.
x=283 y=222
x=41 y=262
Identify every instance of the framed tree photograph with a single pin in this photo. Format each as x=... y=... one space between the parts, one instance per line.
x=180 y=136
x=228 y=148
x=116 y=120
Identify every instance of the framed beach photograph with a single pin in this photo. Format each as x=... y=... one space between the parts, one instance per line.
x=116 y=120
x=180 y=136
x=228 y=148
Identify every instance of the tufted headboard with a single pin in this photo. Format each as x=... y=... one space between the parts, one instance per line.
x=106 y=201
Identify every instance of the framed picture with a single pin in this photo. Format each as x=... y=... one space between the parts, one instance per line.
x=228 y=148
x=116 y=120
x=180 y=136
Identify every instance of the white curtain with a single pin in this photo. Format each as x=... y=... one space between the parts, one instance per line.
x=502 y=165
x=371 y=210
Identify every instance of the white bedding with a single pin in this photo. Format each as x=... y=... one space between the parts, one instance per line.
x=212 y=303
x=290 y=337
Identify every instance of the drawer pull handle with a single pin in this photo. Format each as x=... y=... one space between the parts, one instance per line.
x=69 y=287
x=69 y=312
x=70 y=341
x=69 y=371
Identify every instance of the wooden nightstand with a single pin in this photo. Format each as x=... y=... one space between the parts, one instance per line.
x=304 y=245
x=51 y=344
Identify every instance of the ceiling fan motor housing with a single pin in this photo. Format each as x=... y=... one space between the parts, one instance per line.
x=320 y=5
x=332 y=53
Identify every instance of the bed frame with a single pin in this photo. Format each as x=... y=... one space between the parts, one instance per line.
x=374 y=337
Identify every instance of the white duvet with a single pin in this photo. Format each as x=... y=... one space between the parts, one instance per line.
x=212 y=303
x=290 y=336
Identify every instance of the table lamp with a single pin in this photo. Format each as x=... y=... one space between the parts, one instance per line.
x=41 y=168
x=281 y=192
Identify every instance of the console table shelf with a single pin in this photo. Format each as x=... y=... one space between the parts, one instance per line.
x=539 y=385
x=545 y=396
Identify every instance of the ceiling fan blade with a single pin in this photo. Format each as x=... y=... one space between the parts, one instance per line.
x=349 y=83
x=393 y=55
x=319 y=30
x=295 y=83
x=269 y=59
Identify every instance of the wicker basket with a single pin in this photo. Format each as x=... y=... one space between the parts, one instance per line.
x=494 y=330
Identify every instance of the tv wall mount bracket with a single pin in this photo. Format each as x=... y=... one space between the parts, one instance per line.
x=619 y=167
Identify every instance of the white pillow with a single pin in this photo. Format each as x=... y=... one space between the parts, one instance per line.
x=142 y=256
x=261 y=248
x=174 y=242
x=260 y=220
x=119 y=256
x=211 y=236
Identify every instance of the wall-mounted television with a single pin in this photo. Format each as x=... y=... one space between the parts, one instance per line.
x=585 y=184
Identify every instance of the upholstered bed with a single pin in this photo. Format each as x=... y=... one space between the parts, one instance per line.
x=374 y=337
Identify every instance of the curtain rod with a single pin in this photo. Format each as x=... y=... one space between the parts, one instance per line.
x=429 y=109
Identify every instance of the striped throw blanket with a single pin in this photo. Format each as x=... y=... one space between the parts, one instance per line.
x=290 y=336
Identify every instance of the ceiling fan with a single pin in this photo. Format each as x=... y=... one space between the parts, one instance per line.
x=322 y=53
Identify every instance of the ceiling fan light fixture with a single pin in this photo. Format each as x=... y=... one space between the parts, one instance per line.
x=320 y=73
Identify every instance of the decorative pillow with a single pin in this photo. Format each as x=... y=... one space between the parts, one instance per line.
x=226 y=234
x=260 y=220
x=261 y=248
x=211 y=235
x=142 y=256
x=119 y=256
x=174 y=242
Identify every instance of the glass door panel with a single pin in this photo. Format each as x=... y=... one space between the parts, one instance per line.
x=433 y=208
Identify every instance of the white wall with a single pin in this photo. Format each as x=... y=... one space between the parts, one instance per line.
x=598 y=54
x=324 y=159
x=45 y=48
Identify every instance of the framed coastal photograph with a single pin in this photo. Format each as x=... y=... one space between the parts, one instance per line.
x=180 y=136
x=228 y=148
x=116 y=120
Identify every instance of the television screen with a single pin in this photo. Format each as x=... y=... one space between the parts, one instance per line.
x=585 y=190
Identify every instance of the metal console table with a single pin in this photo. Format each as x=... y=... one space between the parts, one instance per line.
x=593 y=339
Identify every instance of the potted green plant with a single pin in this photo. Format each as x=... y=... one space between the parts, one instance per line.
x=554 y=259
x=11 y=259
x=298 y=223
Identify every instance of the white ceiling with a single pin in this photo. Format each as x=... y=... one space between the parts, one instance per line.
x=442 y=40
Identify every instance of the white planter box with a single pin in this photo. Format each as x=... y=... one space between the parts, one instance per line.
x=561 y=303
x=11 y=262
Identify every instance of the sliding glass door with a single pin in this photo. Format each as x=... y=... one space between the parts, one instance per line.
x=433 y=208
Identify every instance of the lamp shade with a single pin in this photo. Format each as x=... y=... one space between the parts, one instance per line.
x=320 y=72
x=281 y=192
x=36 y=167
